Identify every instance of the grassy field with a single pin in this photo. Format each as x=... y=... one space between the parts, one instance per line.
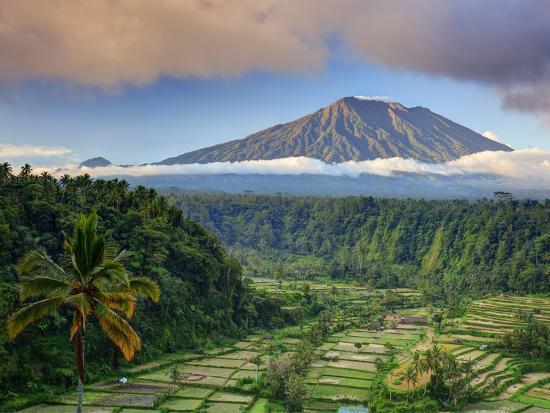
x=499 y=375
x=343 y=370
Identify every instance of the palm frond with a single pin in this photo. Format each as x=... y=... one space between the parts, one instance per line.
x=39 y=263
x=123 y=257
x=74 y=326
x=31 y=313
x=118 y=330
x=112 y=272
x=42 y=286
x=121 y=301
x=82 y=303
x=86 y=247
x=145 y=287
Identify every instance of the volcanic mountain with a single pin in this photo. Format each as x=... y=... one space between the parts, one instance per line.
x=95 y=163
x=353 y=128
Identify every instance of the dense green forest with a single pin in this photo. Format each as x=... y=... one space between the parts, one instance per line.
x=203 y=295
x=445 y=248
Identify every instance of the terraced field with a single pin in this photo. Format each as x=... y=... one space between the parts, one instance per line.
x=344 y=367
x=213 y=382
x=221 y=379
x=344 y=291
x=499 y=315
x=499 y=375
x=347 y=365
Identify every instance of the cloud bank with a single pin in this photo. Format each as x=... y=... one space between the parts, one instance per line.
x=528 y=166
x=9 y=151
x=504 y=44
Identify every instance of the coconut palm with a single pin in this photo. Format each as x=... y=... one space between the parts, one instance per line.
x=410 y=376
x=26 y=170
x=92 y=282
x=6 y=172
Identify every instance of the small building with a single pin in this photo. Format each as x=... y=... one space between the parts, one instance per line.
x=483 y=347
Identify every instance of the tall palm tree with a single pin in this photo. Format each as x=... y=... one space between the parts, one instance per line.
x=26 y=170
x=6 y=172
x=91 y=282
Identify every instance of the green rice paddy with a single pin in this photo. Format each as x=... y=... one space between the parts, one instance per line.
x=220 y=379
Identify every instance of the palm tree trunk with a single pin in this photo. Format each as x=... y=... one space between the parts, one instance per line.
x=79 y=347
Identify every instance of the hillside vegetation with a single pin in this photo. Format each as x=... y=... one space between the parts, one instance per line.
x=446 y=248
x=203 y=296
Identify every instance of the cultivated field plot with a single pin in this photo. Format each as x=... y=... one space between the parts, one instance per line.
x=498 y=315
x=345 y=292
x=538 y=396
x=216 y=381
x=476 y=336
x=347 y=365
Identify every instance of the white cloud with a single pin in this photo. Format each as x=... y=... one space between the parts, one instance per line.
x=9 y=151
x=530 y=166
x=492 y=135
x=380 y=98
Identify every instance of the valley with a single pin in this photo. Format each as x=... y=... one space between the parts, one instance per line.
x=353 y=364
x=271 y=304
x=221 y=206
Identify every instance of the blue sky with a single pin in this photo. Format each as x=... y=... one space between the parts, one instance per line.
x=141 y=81
x=172 y=116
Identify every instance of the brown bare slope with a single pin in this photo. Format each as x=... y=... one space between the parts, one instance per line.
x=353 y=129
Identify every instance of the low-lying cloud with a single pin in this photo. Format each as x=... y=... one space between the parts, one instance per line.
x=504 y=44
x=9 y=151
x=528 y=166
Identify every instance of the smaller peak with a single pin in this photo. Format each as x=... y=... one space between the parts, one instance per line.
x=96 y=162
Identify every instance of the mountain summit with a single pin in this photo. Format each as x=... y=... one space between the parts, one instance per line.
x=353 y=128
x=95 y=162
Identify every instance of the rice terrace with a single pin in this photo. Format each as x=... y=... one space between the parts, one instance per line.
x=275 y=206
x=356 y=356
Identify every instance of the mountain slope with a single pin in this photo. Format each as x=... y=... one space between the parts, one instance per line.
x=356 y=129
x=95 y=162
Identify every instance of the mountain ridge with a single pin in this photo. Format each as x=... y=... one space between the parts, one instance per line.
x=353 y=128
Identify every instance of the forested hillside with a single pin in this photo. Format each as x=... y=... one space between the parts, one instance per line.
x=203 y=296
x=446 y=248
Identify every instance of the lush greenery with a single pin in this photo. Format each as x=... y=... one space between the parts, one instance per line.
x=88 y=283
x=532 y=339
x=446 y=248
x=203 y=294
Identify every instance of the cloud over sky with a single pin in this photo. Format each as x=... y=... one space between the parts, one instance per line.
x=527 y=166
x=9 y=151
x=504 y=44
x=491 y=135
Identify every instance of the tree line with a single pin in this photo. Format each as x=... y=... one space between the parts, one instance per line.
x=445 y=248
x=203 y=294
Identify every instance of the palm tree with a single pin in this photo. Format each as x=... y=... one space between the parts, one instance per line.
x=90 y=282
x=26 y=170
x=411 y=377
x=416 y=362
x=6 y=172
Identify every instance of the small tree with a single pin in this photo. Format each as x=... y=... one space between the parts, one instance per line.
x=295 y=392
x=175 y=375
x=390 y=349
x=257 y=360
